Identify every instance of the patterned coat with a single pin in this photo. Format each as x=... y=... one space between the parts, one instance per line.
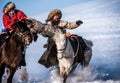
x=49 y=57
x=60 y=23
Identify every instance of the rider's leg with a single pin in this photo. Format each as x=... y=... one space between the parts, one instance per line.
x=23 y=62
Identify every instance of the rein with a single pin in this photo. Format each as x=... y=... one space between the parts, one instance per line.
x=18 y=32
x=77 y=47
x=22 y=35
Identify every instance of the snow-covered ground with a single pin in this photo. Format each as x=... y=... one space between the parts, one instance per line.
x=101 y=25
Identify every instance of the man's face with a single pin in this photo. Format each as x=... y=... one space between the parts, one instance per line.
x=11 y=12
x=56 y=18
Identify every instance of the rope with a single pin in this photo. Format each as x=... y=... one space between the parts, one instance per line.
x=77 y=47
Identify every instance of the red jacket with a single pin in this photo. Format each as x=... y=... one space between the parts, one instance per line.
x=8 y=22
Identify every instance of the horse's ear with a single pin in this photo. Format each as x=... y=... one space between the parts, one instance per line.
x=28 y=21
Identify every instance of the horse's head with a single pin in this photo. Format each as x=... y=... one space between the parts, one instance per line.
x=60 y=41
x=23 y=32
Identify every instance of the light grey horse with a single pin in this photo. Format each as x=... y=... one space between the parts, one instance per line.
x=65 y=53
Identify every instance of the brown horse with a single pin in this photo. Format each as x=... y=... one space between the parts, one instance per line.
x=12 y=50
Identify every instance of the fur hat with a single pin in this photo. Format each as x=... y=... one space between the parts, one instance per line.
x=53 y=13
x=8 y=6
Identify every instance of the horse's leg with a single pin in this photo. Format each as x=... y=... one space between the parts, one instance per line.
x=73 y=67
x=87 y=59
x=65 y=73
x=65 y=79
x=60 y=70
x=2 y=70
x=10 y=75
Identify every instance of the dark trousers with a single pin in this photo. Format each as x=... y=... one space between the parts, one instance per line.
x=2 y=39
x=23 y=62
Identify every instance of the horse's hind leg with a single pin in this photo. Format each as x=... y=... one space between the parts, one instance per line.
x=10 y=75
x=73 y=67
x=2 y=70
x=87 y=59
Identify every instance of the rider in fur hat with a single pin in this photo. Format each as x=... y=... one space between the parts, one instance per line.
x=54 y=19
x=53 y=13
x=8 y=6
x=11 y=15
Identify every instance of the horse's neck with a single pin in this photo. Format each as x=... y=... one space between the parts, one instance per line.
x=66 y=51
x=15 y=38
x=69 y=49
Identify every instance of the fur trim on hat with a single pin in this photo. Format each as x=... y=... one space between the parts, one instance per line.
x=53 y=13
x=8 y=7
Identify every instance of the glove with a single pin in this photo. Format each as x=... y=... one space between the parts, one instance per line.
x=45 y=46
x=35 y=36
x=79 y=22
x=67 y=34
x=22 y=20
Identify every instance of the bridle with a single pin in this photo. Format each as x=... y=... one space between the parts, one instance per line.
x=21 y=30
x=22 y=35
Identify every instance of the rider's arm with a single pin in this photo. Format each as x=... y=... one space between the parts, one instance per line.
x=7 y=22
x=69 y=25
x=21 y=15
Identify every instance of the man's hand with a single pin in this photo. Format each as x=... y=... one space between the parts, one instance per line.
x=79 y=22
x=32 y=30
x=22 y=20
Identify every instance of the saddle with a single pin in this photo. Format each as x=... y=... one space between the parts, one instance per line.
x=76 y=40
x=79 y=47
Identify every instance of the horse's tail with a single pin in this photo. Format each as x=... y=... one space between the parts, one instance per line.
x=89 y=43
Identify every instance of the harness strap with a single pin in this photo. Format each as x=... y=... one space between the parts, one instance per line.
x=62 y=50
x=22 y=34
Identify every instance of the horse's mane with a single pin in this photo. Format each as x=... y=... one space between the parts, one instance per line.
x=20 y=26
x=58 y=34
